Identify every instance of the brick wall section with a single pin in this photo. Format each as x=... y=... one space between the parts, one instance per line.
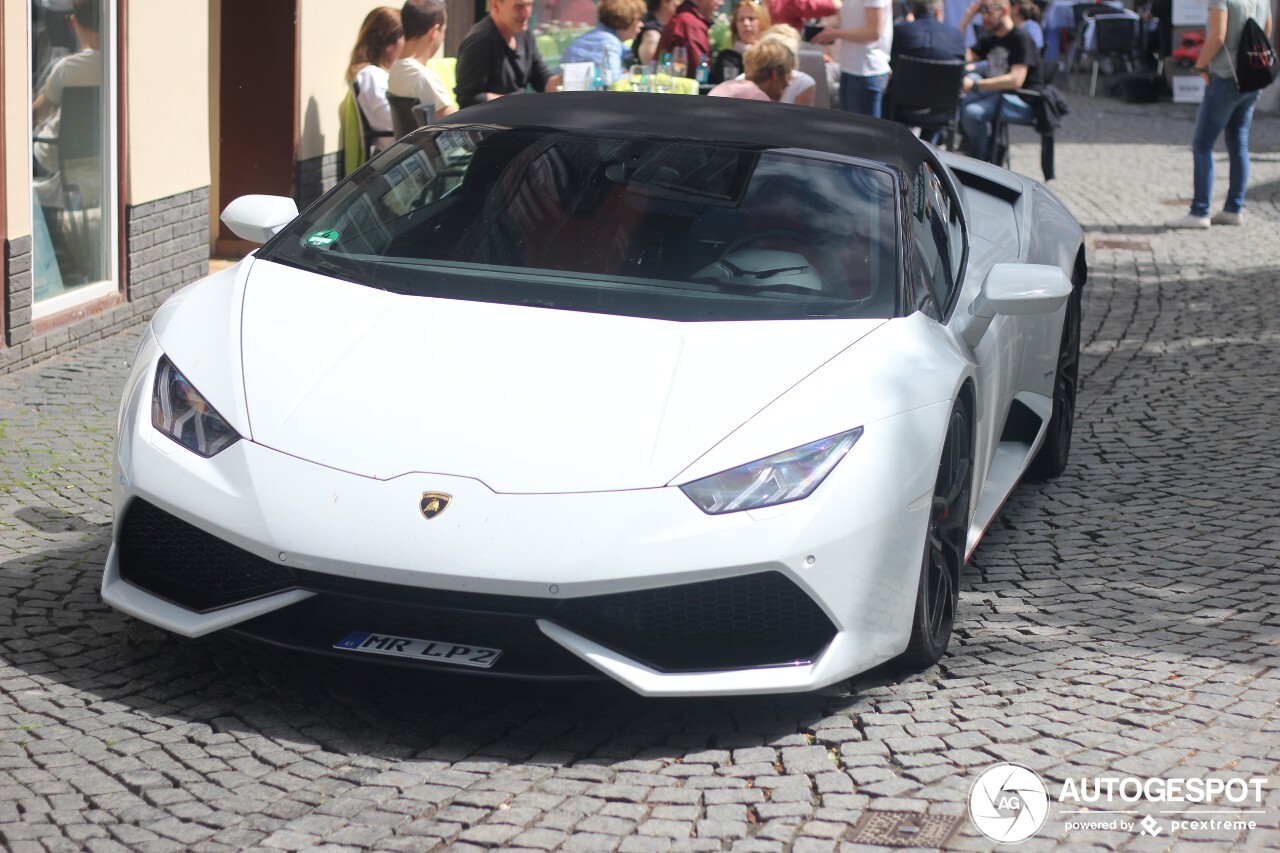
x=168 y=243
x=168 y=247
x=17 y=291
x=315 y=177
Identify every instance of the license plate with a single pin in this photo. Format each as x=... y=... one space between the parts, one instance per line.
x=434 y=651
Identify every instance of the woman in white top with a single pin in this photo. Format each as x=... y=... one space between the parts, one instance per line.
x=379 y=44
x=865 y=35
x=802 y=87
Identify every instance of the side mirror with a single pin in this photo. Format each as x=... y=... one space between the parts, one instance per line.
x=258 y=218
x=1017 y=290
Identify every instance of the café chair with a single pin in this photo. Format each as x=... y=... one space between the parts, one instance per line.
x=926 y=93
x=1116 y=38
x=407 y=115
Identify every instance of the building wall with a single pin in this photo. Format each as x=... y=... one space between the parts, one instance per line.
x=168 y=101
x=15 y=59
x=165 y=164
x=327 y=31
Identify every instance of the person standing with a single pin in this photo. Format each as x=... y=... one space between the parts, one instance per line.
x=499 y=56
x=690 y=28
x=1224 y=108
x=424 y=26
x=866 y=36
x=1012 y=63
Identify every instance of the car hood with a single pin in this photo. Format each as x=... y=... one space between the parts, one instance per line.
x=526 y=400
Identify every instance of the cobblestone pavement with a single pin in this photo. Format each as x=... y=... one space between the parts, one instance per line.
x=1120 y=621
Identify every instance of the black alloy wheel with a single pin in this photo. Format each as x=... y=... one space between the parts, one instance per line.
x=1054 y=454
x=938 y=594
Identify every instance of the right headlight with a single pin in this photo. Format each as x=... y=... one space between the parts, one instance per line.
x=787 y=476
x=180 y=412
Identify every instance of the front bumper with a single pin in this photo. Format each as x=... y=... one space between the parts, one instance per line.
x=639 y=585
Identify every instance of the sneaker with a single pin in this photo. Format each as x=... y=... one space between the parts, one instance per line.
x=1188 y=221
x=1226 y=217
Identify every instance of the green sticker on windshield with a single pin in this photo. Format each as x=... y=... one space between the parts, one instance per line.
x=323 y=239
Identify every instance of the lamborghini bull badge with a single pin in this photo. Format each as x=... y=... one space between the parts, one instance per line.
x=433 y=503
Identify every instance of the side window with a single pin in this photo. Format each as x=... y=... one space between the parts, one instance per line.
x=936 y=234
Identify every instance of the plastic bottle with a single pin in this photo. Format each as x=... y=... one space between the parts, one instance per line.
x=704 y=70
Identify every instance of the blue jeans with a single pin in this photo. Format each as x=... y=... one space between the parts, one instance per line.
x=1224 y=108
x=862 y=95
x=979 y=108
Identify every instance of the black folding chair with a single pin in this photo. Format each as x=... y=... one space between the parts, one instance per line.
x=925 y=93
x=1116 y=38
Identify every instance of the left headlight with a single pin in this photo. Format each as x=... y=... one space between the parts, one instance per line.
x=788 y=476
x=180 y=412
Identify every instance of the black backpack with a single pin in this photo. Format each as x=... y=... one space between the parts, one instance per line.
x=1256 y=65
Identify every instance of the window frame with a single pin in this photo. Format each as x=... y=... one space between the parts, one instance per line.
x=111 y=191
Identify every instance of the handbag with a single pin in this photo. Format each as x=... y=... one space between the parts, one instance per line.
x=1255 y=66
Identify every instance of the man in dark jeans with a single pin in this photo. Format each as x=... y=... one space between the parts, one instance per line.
x=499 y=56
x=1012 y=63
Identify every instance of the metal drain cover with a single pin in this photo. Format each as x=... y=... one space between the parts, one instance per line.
x=904 y=829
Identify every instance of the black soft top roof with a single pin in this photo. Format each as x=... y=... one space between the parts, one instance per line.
x=712 y=119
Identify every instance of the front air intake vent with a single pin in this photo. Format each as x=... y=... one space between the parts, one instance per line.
x=183 y=564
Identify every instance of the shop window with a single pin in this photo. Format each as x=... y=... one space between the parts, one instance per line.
x=73 y=170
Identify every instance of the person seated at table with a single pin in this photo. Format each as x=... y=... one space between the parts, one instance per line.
x=645 y=45
x=690 y=28
x=619 y=23
x=377 y=48
x=926 y=36
x=769 y=66
x=750 y=20
x=1026 y=14
x=802 y=87
x=499 y=56
x=424 y=25
x=80 y=69
x=1012 y=63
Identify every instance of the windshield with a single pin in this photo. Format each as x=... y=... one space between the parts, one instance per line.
x=666 y=229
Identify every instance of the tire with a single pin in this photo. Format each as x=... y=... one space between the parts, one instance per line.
x=1054 y=454
x=938 y=593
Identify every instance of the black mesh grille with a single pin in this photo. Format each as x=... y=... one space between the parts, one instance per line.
x=752 y=620
x=196 y=570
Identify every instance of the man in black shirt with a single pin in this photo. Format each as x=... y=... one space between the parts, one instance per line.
x=499 y=56
x=1012 y=63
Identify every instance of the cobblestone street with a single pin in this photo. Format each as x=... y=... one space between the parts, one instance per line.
x=1122 y=620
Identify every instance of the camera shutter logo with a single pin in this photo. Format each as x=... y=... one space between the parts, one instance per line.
x=1008 y=803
